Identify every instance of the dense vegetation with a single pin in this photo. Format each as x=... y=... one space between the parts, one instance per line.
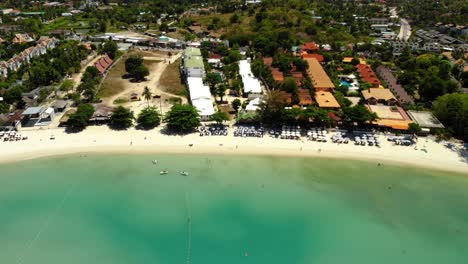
x=452 y=110
x=423 y=12
x=429 y=75
x=182 y=118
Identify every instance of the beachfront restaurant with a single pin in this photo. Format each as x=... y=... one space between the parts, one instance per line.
x=38 y=116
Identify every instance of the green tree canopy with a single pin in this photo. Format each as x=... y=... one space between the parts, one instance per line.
x=122 y=118
x=182 y=118
x=149 y=118
x=212 y=79
x=110 y=48
x=452 y=111
x=135 y=67
x=359 y=114
x=220 y=117
x=236 y=103
x=79 y=120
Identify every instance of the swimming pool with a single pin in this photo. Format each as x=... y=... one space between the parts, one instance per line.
x=345 y=83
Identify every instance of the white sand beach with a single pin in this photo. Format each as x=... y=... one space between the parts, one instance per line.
x=100 y=139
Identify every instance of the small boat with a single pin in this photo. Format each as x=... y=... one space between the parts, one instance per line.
x=164 y=172
x=155 y=162
x=184 y=173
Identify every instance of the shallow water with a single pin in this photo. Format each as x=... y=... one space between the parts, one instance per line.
x=231 y=209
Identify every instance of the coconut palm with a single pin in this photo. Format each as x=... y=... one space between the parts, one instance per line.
x=147 y=94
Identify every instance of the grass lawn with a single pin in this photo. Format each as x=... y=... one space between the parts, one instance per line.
x=170 y=80
x=113 y=84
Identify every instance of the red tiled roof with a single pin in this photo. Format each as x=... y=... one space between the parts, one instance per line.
x=268 y=61
x=103 y=64
x=334 y=117
x=304 y=97
x=314 y=55
x=277 y=75
x=367 y=74
x=287 y=97
x=108 y=59
x=310 y=46
x=215 y=56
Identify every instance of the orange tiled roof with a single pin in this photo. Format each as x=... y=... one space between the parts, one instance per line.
x=326 y=100
x=310 y=46
x=314 y=55
x=319 y=77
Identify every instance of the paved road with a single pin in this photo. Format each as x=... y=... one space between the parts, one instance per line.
x=405 y=30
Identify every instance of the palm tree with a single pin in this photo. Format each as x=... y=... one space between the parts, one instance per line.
x=147 y=94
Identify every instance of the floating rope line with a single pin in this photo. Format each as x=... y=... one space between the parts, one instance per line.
x=45 y=225
x=189 y=229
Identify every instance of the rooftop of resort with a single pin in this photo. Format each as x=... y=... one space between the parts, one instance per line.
x=190 y=51
x=326 y=100
x=425 y=119
x=350 y=59
x=317 y=74
x=251 y=83
x=368 y=75
x=378 y=94
x=304 y=97
x=194 y=62
x=103 y=64
x=391 y=116
x=200 y=96
x=319 y=57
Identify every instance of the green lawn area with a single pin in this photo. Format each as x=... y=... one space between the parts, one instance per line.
x=170 y=80
x=67 y=23
x=113 y=84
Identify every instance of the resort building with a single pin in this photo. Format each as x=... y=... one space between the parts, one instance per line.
x=304 y=97
x=326 y=99
x=426 y=120
x=310 y=47
x=251 y=83
x=375 y=96
x=318 y=57
x=21 y=38
x=319 y=77
x=392 y=83
x=200 y=96
x=368 y=75
x=43 y=45
x=278 y=76
x=38 y=116
x=350 y=59
x=193 y=63
x=103 y=64
x=393 y=117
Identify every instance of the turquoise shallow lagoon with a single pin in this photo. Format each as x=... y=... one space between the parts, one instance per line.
x=231 y=209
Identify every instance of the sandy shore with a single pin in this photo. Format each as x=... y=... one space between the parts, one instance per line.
x=103 y=140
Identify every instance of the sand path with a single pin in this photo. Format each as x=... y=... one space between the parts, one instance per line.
x=152 y=83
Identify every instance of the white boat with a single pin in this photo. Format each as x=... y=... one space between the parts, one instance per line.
x=184 y=173
x=155 y=162
x=164 y=172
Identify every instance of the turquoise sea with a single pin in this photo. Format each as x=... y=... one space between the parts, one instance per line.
x=117 y=209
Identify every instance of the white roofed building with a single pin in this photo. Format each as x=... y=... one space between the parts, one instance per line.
x=251 y=83
x=200 y=96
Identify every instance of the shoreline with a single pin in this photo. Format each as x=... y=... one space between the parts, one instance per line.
x=102 y=140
